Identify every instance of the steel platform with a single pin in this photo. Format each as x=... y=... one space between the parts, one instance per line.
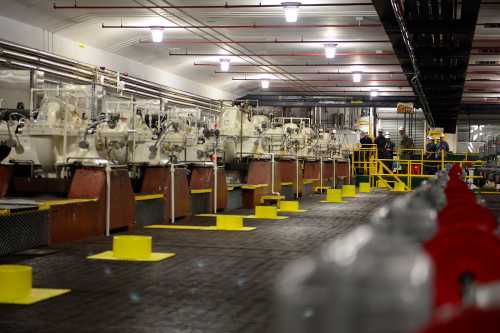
x=220 y=282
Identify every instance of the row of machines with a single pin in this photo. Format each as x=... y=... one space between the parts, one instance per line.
x=426 y=263
x=80 y=152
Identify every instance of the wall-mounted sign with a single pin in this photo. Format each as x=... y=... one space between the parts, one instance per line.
x=405 y=108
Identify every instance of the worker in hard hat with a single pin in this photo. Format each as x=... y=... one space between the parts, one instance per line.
x=430 y=154
x=405 y=146
x=388 y=151
x=442 y=147
x=430 y=148
x=380 y=142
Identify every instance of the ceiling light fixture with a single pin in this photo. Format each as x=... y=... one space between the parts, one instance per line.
x=225 y=64
x=330 y=51
x=264 y=83
x=291 y=11
x=356 y=77
x=374 y=93
x=157 y=35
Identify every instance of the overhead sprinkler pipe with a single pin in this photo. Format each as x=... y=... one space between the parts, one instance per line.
x=247 y=26
x=275 y=41
x=224 y=6
x=320 y=80
x=340 y=54
x=306 y=65
x=313 y=73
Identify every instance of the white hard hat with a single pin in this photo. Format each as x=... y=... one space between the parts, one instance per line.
x=401 y=128
x=334 y=131
x=387 y=136
x=441 y=135
x=429 y=138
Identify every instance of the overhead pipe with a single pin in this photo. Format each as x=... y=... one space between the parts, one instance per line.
x=354 y=93
x=320 y=80
x=341 y=54
x=354 y=86
x=244 y=26
x=57 y=65
x=302 y=65
x=361 y=87
x=225 y=6
x=314 y=73
x=275 y=41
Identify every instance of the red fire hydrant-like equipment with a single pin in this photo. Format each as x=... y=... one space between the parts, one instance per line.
x=466 y=254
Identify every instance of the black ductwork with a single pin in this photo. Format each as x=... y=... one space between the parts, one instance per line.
x=440 y=35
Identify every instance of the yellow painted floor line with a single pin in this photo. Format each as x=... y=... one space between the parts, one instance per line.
x=197 y=227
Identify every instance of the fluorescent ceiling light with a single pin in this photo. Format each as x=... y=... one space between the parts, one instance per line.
x=330 y=51
x=374 y=93
x=291 y=11
x=265 y=84
x=225 y=64
x=157 y=35
x=356 y=77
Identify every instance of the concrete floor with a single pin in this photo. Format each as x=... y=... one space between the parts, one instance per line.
x=218 y=282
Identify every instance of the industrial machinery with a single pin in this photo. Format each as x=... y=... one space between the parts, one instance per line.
x=243 y=134
x=51 y=134
x=188 y=136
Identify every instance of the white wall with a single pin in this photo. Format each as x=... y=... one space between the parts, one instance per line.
x=38 y=38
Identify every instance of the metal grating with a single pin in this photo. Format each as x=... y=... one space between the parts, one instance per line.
x=22 y=231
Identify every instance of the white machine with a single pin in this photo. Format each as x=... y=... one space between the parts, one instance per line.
x=243 y=134
x=52 y=133
x=188 y=136
x=123 y=134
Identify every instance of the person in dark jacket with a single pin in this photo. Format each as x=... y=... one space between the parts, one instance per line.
x=380 y=142
x=364 y=154
x=388 y=152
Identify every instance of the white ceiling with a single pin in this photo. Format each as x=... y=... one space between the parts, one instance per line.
x=85 y=26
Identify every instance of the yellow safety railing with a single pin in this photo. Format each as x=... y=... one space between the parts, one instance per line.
x=411 y=163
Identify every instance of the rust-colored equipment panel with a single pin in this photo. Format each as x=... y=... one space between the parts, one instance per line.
x=327 y=172
x=312 y=171
x=203 y=178
x=157 y=180
x=76 y=221
x=342 y=170
x=260 y=172
x=288 y=173
x=90 y=183
x=6 y=174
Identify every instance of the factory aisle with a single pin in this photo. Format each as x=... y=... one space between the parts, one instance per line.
x=218 y=282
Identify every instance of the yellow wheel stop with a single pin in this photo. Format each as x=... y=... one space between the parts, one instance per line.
x=266 y=213
x=132 y=248
x=349 y=191
x=333 y=196
x=16 y=286
x=291 y=207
